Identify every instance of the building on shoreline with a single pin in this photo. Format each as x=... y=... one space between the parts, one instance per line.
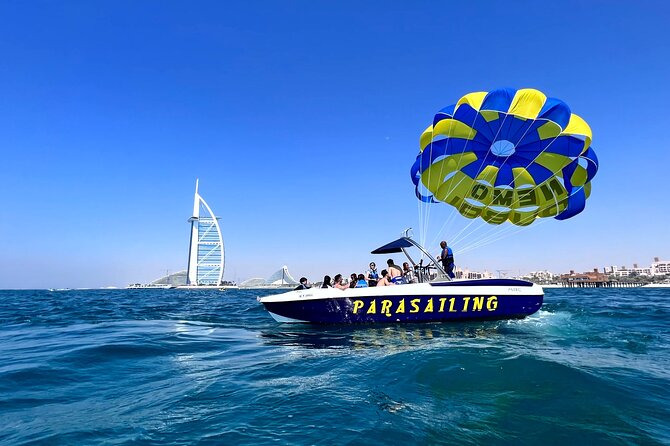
x=542 y=276
x=205 y=253
x=591 y=278
x=280 y=279
x=206 y=257
x=654 y=273
x=657 y=268
x=660 y=267
x=465 y=273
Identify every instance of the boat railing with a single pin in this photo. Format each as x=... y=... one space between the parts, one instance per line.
x=428 y=273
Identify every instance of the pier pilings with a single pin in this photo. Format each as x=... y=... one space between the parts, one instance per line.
x=600 y=284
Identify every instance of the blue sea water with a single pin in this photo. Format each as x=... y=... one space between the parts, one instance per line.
x=209 y=367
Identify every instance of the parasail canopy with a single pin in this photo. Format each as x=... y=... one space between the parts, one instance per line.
x=507 y=155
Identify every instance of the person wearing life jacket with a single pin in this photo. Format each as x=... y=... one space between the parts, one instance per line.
x=371 y=275
x=447 y=258
x=361 y=282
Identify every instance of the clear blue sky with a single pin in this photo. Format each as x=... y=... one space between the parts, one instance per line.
x=302 y=120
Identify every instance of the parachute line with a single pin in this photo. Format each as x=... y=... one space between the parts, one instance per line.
x=504 y=165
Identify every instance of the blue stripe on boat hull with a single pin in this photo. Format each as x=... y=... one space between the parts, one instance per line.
x=409 y=308
x=484 y=282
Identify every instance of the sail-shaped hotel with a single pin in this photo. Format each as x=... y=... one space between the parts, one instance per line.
x=205 y=253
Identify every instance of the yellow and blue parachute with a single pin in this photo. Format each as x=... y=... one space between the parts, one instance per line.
x=507 y=155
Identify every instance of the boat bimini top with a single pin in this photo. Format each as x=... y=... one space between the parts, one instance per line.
x=401 y=245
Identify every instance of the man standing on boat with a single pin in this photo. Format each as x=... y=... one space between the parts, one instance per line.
x=447 y=259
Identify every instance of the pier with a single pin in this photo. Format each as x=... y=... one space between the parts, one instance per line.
x=594 y=279
x=599 y=284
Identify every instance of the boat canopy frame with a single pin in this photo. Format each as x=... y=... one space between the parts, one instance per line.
x=401 y=245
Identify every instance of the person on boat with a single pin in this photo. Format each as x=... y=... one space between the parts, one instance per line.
x=361 y=282
x=326 y=282
x=408 y=273
x=385 y=280
x=371 y=275
x=395 y=273
x=447 y=258
x=338 y=282
x=353 y=279
x=304 y=284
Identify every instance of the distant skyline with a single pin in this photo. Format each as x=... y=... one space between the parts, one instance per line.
x=301 y=120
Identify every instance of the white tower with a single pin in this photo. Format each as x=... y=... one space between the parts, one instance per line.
x=205 y=253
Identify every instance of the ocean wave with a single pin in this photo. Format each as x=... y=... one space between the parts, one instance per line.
x=94 y=367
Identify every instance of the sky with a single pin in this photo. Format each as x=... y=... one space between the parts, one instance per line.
x=301 y=120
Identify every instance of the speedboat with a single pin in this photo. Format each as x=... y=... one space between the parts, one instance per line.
x=151 y=286
x=435 y=298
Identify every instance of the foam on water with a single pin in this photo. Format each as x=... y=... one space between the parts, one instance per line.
x=173 y=367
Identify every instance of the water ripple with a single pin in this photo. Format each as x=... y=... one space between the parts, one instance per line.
x=193 y=367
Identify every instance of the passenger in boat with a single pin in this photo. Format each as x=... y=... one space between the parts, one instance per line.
x=395 y=273
x=408 y=273
x=353 y=279
x=447 y=258
x=371 y=275
x=385 y=281
x=304 y=284
x=361 y=282
x=338 y=282
x=326 y=282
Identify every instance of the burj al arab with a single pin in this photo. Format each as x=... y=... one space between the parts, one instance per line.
x=206 y=253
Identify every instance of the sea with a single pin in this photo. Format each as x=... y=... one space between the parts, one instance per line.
x=190 y=367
